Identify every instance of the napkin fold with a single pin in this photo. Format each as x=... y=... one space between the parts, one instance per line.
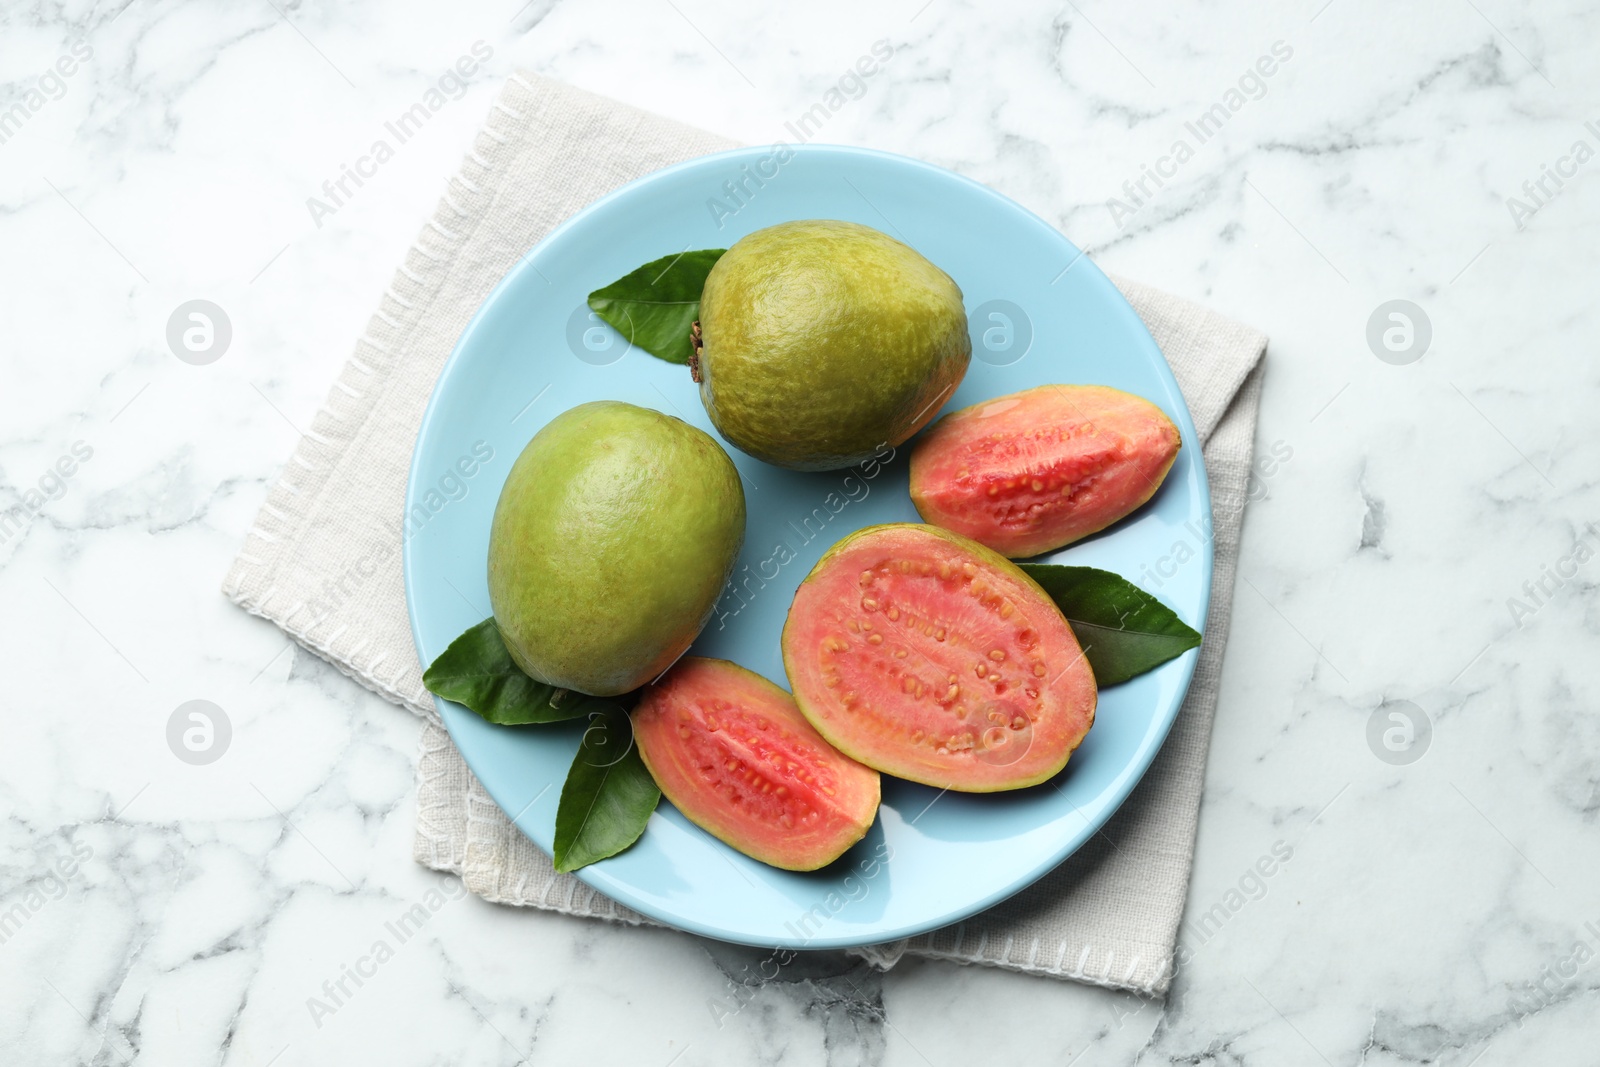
x=322 y=560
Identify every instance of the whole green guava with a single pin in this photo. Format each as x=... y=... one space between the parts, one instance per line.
x=823 y=341
x=613 y=537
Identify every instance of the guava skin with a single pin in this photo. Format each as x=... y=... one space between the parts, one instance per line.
x=824 y=341
x=613 y=537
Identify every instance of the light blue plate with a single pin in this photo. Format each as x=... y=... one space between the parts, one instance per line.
x=1040 y=312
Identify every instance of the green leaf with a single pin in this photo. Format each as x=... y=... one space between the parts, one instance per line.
x=655 y=306
x=476 y=670
x=608 y=796
x=1124 y=630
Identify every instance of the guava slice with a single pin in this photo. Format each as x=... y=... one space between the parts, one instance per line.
x=1039 y=469
x=734 y=754
x=929 y=657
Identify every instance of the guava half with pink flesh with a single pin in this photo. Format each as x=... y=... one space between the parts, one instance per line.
x=736 y=757
x=929 y=657
x=1039 y=469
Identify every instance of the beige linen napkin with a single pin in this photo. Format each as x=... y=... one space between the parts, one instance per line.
x=323 y=558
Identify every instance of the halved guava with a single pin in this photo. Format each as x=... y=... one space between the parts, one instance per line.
x=932 y=658
x=734 y=754
x=1030 y=472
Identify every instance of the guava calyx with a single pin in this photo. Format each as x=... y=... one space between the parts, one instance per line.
x=696 y=343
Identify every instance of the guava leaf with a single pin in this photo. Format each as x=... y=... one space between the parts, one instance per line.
x=1124 y=630
x=608 y=795
x=655 y=306
x=477 y=671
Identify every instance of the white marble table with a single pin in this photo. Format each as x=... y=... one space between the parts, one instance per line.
x=1436 y=910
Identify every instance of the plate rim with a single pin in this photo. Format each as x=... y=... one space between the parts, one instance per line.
x=594 y=875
